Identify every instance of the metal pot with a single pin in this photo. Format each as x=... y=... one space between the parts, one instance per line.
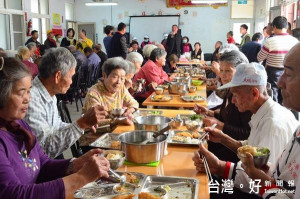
x=142 y=153
x=176 y=87
x=151 y=122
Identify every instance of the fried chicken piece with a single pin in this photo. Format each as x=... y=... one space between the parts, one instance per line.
x=130 y=196
x=145 y=195
x=196 y=135
x=115 y=144
x=185 y=134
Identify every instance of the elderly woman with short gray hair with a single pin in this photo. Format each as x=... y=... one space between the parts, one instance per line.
x=110 y=92
x=227 y=117
x=55 y=77
x=153 y=71
x=25 y=170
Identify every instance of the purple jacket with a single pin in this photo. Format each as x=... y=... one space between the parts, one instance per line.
x=31 y=177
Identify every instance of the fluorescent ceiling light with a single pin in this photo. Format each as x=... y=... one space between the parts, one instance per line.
x=101 y=4
x=209 y=1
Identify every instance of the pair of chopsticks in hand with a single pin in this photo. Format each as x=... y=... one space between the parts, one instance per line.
x=206 y=167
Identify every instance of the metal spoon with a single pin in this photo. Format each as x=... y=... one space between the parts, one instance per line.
x=121 y=178
x=156 y=134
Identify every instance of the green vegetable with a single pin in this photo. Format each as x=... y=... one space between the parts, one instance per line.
x=196 y=117
x=262 y=151
x=154 y=112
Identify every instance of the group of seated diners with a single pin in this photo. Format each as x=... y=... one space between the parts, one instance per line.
x=32 y=133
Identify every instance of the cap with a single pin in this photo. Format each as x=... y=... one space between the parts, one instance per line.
x=146 y=37
x=252 y=74
x=166 y=34
x=49 y=31
x=134 y=38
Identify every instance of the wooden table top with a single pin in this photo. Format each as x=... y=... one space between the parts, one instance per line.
x=177 y=102
x=190 y=62
x=178 y=162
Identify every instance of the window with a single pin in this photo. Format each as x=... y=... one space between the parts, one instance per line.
x=41 y=25
x=40 y=6
x=236 y=31
x=18 y=24
x=4 y=32
x=2 y=3
x=14 y=4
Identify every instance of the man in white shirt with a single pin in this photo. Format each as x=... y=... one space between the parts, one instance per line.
x=271 y=124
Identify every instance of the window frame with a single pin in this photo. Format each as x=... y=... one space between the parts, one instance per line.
x=10 y=12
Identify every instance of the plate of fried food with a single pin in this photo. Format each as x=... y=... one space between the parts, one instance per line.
x=184 y=137
x=161 y=98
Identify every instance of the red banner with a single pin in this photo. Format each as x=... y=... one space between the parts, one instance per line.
x=188 y=3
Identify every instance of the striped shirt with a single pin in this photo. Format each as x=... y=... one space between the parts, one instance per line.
x=275 y=48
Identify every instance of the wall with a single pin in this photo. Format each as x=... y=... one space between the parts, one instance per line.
x=261 y=15
x=209 y=26
x=55 y=6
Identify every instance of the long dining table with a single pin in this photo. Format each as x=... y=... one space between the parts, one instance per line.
x=177 y=102
x=178 y=161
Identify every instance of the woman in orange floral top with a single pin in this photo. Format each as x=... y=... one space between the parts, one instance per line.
x=110 y=92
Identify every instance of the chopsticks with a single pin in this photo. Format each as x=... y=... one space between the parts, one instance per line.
x=206 y=168
x=206 y=133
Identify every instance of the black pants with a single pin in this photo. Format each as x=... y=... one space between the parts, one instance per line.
x=273 y=77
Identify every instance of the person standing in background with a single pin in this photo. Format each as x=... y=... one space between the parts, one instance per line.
x=69 y=39
x=109 y=31
x=84 y=41
x=230 y=39
x=274 y=50
x=118 y=42
x=245 y=36
x=50 y=42
x=174 y=41
x=34 y=38
x=186 y=46
x=251 y=49
x=146 y=41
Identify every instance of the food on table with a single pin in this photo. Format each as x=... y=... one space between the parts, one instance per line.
x=196 y=117
x=255 y=151
x=115 y=144
x=193 y=125
x=124 y=188
x=185 y=134
x=161 y=98
x=112 y=156
x=131 y=178
x=197 y=82
x=145 y=195
x=159 y=91
x=129 y=196
x=153 y=112
x=196 y=135
x=185 y=137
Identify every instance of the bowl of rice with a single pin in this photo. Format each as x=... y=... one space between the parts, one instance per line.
x=116 y=158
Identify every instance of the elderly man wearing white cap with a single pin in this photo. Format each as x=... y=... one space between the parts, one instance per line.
x=146 y=41
x=271 y=124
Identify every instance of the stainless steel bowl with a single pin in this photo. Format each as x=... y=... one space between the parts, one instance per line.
x=260 y=161
x=118 y=112
x=142 y=153
x=115 y=164
x=151 y=122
